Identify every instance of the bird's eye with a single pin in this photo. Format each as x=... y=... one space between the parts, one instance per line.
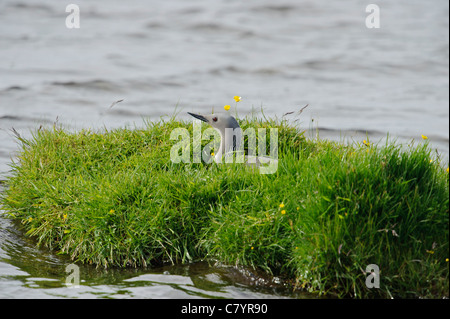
x=215 y=119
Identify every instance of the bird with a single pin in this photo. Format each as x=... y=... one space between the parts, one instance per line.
x=231 y=141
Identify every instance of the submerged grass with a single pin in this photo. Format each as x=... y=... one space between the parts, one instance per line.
x=115 y=198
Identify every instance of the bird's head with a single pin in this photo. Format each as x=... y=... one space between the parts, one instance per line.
x=218 y=121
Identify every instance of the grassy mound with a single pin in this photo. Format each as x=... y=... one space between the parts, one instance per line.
x=116 y=199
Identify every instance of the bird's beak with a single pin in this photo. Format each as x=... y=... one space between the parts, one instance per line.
x=198 y=116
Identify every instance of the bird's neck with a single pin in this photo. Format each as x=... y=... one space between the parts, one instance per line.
x=230 y=141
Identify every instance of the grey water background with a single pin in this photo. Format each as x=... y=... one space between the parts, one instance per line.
x=167 y=56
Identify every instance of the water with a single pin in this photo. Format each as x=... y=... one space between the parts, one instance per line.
x=161 y=56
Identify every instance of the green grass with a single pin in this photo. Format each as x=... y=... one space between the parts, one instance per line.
x=114 y=198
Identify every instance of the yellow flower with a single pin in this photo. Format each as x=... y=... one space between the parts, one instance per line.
x=447 y=169
x=424 y=137
x=283 y=212
x=226 y=107
x=446 y=259
x=66 y=231
x=237 y=98
x=65 y=216
x=431 y=161
x=112 y=211
x=366 y=143
x=212 y=153
x=251 y=248
x=30 y=219
x=281 y=205
x=298 y=208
